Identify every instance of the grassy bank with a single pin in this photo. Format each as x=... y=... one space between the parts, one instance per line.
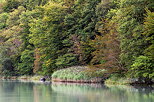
x=118 y=81
x=84 y=74
x=115 y=79
x=79 y=74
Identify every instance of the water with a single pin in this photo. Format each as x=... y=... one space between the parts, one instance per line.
x=14 y=91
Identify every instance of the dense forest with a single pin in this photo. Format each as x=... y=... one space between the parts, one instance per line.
x=42 y=36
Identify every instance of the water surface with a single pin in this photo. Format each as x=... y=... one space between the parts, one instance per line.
x=15 y=91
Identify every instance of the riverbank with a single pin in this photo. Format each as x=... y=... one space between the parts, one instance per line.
x=80 y=74
x=109 y=81
x=24 y=78
x=83 y=74
x=86 y=74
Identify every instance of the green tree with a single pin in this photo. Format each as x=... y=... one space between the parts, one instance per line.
x=149 y=34
x=3 y=19
x=31 y=4
x=130 y=27
x=81 y=28
x=7 y=67
x=47 y=34
x=143 y=68
x=9 y=5
x=26 y=64
x=143 y=65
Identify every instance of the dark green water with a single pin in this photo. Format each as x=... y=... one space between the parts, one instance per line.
x=13 y=91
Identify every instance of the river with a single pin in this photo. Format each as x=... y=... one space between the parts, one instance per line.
x=17 y=91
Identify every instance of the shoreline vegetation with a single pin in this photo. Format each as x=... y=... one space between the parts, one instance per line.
x=83 y=41
x=121 y=81
x=81 y=75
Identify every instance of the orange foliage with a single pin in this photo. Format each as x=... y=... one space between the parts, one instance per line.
x=107 y=48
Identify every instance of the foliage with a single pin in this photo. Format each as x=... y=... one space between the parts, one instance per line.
x=78 y=73
x=7 y=67
x=143 y=67
x=66 y=60
x=81 y=28
x=41 y=36
x=37 y=64
x=47 y=34
x=3 y=18
x=25 y=66
x=10 y=5
x=119 y=81
x=149 y=34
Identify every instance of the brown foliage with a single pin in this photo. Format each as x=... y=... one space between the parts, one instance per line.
x=37 y=64
x=77 y=47
x=107 y=47
x=69 y=3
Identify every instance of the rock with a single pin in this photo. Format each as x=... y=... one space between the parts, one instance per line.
x=43 y=79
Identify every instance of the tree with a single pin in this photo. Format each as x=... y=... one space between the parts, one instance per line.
x=31 y=4
x=7 y=67
x=10 y=5
x=47 y=34
x=149 y=34
x=130 y=27
x=3 y=18
x=26 y=64
x=81 y=28
x=142 y=68
x=143 y=65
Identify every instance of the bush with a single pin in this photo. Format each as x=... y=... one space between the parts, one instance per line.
x=7 y=67
x=117 y=79
x=143 y=67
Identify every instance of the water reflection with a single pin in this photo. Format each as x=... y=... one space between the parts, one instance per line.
x=91 y=93
x=57 y=92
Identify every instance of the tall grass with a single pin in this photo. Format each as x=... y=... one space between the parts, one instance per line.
x=78 y=74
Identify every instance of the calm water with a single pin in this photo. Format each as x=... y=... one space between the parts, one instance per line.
x=13 y=91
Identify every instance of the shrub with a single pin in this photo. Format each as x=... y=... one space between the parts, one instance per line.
x=7 y=67
x=117 y=79
x=143 y=67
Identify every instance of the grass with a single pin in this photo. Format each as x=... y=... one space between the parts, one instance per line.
x=120 y=81
x=115 y=79
x=78 y=74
